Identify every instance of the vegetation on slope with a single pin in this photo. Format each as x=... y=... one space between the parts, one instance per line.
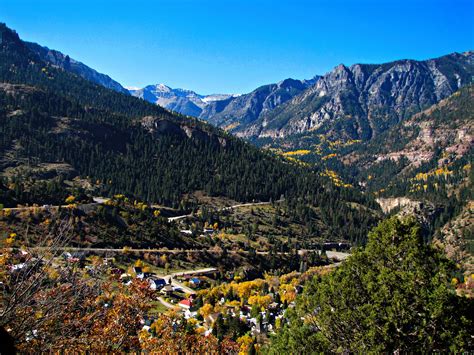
x=395 y=295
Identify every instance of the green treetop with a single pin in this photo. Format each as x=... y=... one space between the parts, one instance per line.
x=394 y=295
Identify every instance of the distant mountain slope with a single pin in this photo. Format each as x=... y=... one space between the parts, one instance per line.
x=425 y=161
x=123 y=145
x=223 y=110
x=438 y=136
x=186 y=102
x=237 y=112
x=457 y=239
x=360 y=101
x=63 y=61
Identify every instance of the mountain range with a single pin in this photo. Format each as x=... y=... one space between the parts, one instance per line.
x=186 y=102
x=356 y=102
x=360 y=101
x=320 y=119
x=224 y=110
x=240 y=111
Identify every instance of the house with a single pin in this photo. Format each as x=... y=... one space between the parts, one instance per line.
x=147 y=321
x=195 y=281
x=273 y=305
x=186 y=304
x=167 y=290
x=81 y=255
x=91 y=270
x=244 y=311
x=156 y=284
x=230 y=311
x=74 y=257
x=188 y=314
x=126 y=279
x=138 y=272
x=177 y=289
x=17 y=267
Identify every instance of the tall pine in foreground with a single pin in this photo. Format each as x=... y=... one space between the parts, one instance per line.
x=394 y=295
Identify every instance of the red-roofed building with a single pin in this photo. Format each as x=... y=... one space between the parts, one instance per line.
x=185 y=304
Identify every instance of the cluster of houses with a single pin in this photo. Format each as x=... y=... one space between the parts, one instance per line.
x=163 y=286
x=264 y=321
x=261 y=323
x=24 y=260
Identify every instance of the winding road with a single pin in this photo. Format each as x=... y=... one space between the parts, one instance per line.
x=331 y=254
x=228 y=208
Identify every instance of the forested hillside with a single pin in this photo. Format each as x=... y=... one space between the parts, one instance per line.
x=125 y=145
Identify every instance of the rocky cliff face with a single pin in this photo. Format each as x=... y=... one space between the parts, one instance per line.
x=363 y=100
x=63 y=61
x=391 y=203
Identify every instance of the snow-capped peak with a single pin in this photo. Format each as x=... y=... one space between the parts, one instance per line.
x=132 y=88
x=162 y=88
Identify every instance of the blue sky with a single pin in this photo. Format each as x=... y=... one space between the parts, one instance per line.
x=223 y=46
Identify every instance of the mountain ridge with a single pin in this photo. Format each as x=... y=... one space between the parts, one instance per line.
x=366 y=99
x=223 y=110
x=247 y=108
x=63 y=61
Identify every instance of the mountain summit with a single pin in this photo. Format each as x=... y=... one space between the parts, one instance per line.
x=186 y=102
